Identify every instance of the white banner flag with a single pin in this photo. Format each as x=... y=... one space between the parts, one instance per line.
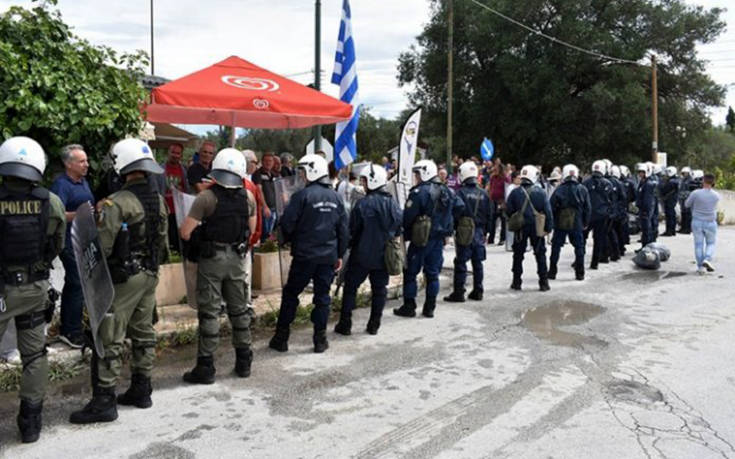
x=407 y=148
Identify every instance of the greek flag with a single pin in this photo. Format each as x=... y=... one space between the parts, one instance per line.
x=345 y=75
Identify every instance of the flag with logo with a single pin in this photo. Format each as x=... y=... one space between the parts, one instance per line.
x=487 y=150
x=345 y=75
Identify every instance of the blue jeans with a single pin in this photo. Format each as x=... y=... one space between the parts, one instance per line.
x=704 y=232
x=299 y=275
x=269 y=224
x=72 y=299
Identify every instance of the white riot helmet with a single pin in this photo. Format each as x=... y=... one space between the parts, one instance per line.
x=314 y=166
x=599 y=167
x=697 y=174
x=643 y=167
x=625 y=171
x=570 y=172
x=615 y=171
x=22 y=157
x=686 y=170
x=608 y=166
x=467 y=171
x=426 y=169
x=658 y=169
x=229 y=167
x=670 y=171
x=530 y=173
x=132 y=155
x=556 y=175
x=375 y=176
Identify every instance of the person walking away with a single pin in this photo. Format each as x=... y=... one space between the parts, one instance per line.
x=33 y=225
x=530 y=200
x=600 y=191
x=471 y=228
x=703 y=204
x=226 y=212
x=427 y=220
x=572 y=209
x=374 y=221
x=669 y=196
x=73 y=190
x=315 y=224
x=133 y=233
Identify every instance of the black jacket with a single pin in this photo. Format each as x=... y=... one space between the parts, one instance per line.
x=374 y=219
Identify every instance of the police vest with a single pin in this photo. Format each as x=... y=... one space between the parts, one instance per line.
x=143 y=244
x=24 y=220
x=229 y=222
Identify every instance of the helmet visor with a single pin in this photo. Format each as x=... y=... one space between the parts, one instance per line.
x=142 y=165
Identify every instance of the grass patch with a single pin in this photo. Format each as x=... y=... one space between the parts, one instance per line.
x=57 y=371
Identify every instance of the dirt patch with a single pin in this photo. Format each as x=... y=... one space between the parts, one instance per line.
x=544 y=322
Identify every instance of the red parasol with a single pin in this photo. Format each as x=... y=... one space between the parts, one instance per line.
x=235 y=92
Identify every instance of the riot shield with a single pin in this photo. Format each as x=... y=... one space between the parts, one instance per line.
x=93 y=272
x=285 y=188
x=182 y=205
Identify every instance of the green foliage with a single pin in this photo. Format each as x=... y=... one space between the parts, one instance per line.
x=59 y=89
x=730 y=119
x=543 y=103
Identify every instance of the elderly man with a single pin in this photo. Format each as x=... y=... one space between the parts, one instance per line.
x=197 y=174
x=73 y=190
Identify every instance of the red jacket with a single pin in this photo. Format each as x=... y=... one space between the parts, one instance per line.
x=497 y=187
x=253 y=188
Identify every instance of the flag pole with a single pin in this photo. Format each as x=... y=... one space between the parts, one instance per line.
x=317 y=66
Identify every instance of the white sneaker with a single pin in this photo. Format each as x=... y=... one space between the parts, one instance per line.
x=708 y=266
x=701 y=271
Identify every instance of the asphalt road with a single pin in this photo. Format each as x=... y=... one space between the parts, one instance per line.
x=625 y=364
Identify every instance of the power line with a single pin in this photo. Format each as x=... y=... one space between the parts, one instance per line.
x=556 y=40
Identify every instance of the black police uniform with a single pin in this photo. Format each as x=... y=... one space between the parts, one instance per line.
x=570 y=195
x=600 y=190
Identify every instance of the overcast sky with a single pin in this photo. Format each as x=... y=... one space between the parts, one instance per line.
x=193 y=34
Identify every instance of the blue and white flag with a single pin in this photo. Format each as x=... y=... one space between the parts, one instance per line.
x=345 y=75
x=487 y=150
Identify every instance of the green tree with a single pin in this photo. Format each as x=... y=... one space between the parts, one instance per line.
x=541 y=102
x=59 y=89
x=730 y=119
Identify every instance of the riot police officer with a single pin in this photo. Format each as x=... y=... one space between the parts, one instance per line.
x=133 y=232
x=684 y=191
x=315 y=224
x=33 y=225
x=571 y=207
x=612 y=251
x=656 y=179
x=471 y=228
x=630 y=190
x=530 y=200
x=645 y=203
x=226 y=212
x=427 y=219
x=600 y=191
x=620 y=215
x=374 y=221
x=669 y=196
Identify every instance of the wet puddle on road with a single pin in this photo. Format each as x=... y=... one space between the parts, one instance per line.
x=646 y=277
x=544 y=322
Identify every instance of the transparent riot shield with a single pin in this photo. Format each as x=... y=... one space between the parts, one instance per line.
x=93 y=271
x=182 y=204
x=285 y=188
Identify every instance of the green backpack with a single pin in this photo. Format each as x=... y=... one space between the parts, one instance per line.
x=466 y=228
x=421 y=228
x=517 y=220
x=566 y=218
x=394 y=257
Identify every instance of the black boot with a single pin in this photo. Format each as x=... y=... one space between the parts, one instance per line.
x=543 y=284
x=429 y=306
x=475 y=295
x=279 y=341
x=593 y=265
x=407 y=310
x=203 y=372
x=579 y=273
x=344 y=326
x=139 y=393
x=102 y=407
x=457 y=296
x=320 y=341
x=29 y=421
x=516 y=285
x=243 y=361
x=373 y=325
x=552 y=272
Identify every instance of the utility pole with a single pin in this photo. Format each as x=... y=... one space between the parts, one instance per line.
x=317 y=66
x=450 y=80
x=153 y=68
x=654 y=109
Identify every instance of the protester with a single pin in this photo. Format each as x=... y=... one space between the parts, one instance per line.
x=496 y=190
x=73 y=190
x=198 y=172
x=286 y=165
x=174 y=176
x=703 y=204
x=265 y=178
